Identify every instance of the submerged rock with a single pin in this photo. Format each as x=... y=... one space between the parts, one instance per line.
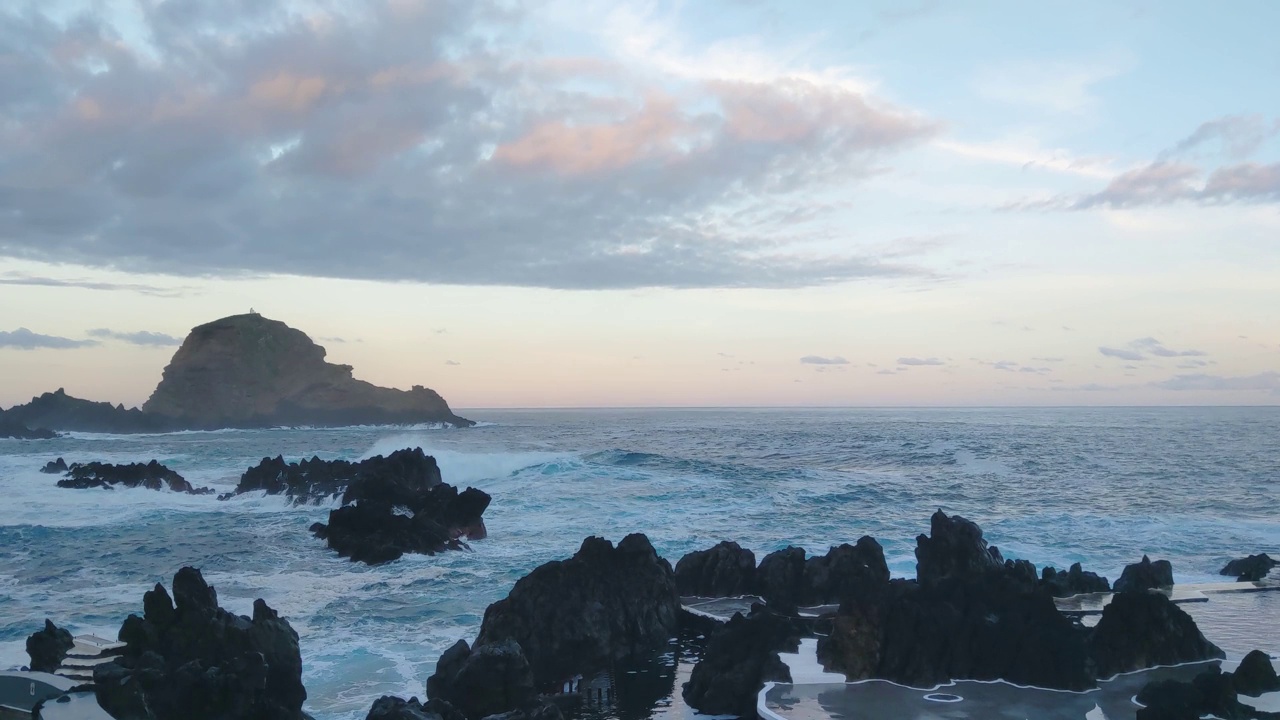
x=741 y=656
x=1212 y=692
x=1145 y=575
x=188 y=659
x=1250 y=569
x=152 y=476
x=49 y=647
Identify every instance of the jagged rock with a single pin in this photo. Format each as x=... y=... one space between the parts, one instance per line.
x=152 y=476
x=780 y=578
x=390 y=506
x=575 y=616
x=987 y=626
x=1075 y=581
x=1139 y=630
x=1145 y=575
x=55 y=467
x=1250 y=569
x=740 y=657
x=394 y=708
x=726 y=570
x=489 y=680
x=59 y=411
x=49 y=647
x=830 y=578
x=11 y=427
x=404 y=472
x=1256 y=675
x=189 y=659
x=953 y=548
x=1212 y=693
x=249 y=371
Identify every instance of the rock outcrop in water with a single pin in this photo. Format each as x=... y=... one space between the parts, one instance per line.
x=742 y=656
x=390 y=505
x=55 y=467
x=1249 y=569
x=566 y=618
x=59 y=411
x=249 y=371
x=1145 y=575
x=49 y=647
x=12 y=428
x=152 y=476
x=394 y=708
x=1075 y=581
x=188 y=659
x=243 y=371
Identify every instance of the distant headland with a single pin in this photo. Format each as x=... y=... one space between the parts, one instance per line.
x=243 y=371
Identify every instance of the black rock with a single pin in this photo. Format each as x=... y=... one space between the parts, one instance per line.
x=1075 y=581
x=1210 y=693
x=390 y=505
x=953 y=548
x=55 y=467
x=780 y=578
x=740 y=657
x=1256 y=675
x=726 y=570
x=193 y=660
x=1250 y=569
x=49 y=647
x=488 y=680
x=60 y=411
x=987 y=626
x=11 y=427
x=394 y=708
x=152 y=476
x=1145 y=575
x=1139 y=630
x=844 y=570
x=575 y=616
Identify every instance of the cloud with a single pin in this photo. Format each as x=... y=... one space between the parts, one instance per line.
x=332 y=339
x=1048 y=359
x=912 y=361
x=1142 y=347
x=454 y=362
x=1121 y=353
x=24 y=339
x=142 y=337
x=1168 y=182
x=1238 y=136
x=820 y=360
x=431 y=142
x=1201 y=381
x=1087 y=387
x=18 y=278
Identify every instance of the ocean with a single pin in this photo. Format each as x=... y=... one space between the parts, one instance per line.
x=1196 y=486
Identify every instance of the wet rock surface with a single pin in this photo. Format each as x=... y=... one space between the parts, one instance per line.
x=1250 y=569
x=152 y=476
x=188 y=658
x=1145 y=575
x=1211 y=693
x=740 y=657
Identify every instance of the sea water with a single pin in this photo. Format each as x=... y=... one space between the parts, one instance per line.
x=1054 y=486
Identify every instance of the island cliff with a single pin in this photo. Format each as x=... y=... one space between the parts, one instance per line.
x=246 y=371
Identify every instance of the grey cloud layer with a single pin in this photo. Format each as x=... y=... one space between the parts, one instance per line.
x=412 y=145
x=919 y=361
x=141 y=337
x=820 y=360
x=24 y=339
x=1141 y=348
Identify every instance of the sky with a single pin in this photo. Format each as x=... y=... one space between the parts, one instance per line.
x=652 y=203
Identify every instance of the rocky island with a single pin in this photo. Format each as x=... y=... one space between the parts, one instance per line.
x=243 y=371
